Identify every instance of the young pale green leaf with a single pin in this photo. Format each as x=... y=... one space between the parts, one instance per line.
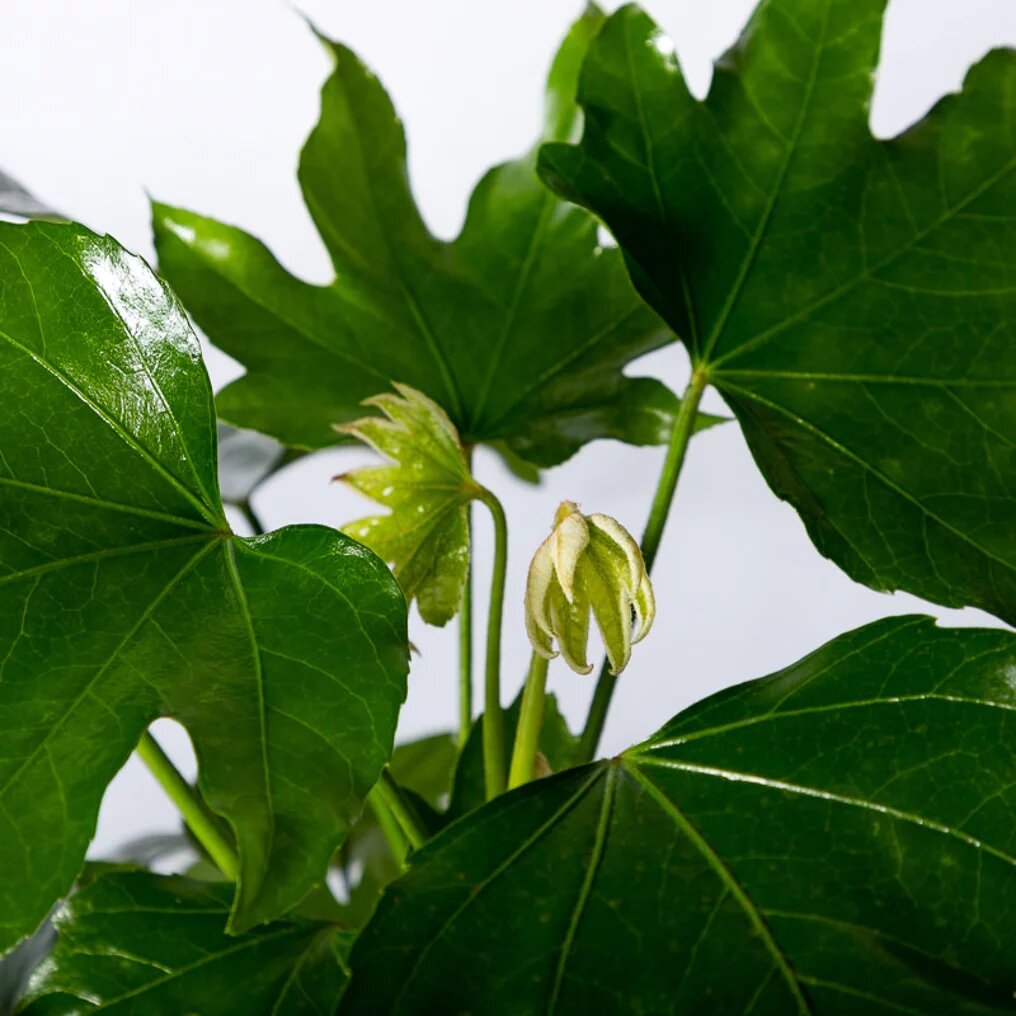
x=853 y=299
x=588 y=565
x=425 y=536
x=519 y=328
x=124 y=597
x=137 y=943
x=836 y=838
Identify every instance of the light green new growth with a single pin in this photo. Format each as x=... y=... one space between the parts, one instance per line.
x=589 y=563
x=425 y=538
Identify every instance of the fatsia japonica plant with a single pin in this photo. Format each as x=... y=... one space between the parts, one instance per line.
x=838 y=837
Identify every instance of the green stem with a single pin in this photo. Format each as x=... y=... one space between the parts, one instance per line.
x=527 y=734
x=402 y=808
x=183 y=795
x=390 y=828
x=684 y=427
x=247 y=510
x=493 y=718
x=466 y=644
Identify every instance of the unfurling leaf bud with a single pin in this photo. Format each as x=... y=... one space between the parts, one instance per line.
x=589 y=563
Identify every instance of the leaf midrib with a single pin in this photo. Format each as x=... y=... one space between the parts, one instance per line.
x=833 y=707
x=98 y=502
x=144 y=618
x=869 y=273
x=547 y=203
x=409 y=296
x=119 y=430
x=748 y=261
x=268 y=842
x=189 y=968
x=530 y=841
x=876 y=474
x=599 y=846
x=783 y=786
x=730 y=883
x=209 y=496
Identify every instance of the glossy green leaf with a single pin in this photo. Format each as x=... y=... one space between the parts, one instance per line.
x=853 y=299
x=133 y=942
x=427 y=487
x=123 y=596
x=519 y=328
x=838 y=838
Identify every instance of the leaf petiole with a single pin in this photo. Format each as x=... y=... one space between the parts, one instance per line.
x=684 y=427
x=527 y=734
x=466 y=639
x=183 y=795
x=400 y=808
x=390 y=828
x=493 y=719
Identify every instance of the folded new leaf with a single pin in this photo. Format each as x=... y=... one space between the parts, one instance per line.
x=425 y=537
x=588 y=564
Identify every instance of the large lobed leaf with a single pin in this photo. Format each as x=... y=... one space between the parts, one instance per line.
x=519 y=328
x=137 y=943
x=123 y=596
x=853 y=299
x=836 y=838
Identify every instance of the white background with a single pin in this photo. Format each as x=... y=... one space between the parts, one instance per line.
x=205 y=104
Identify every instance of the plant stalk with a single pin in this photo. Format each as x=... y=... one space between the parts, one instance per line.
x=401 y=808
x=466 y=643
x=390 y=828
x=246 y=509
x=184 y=796
x=684 y=427
x=493 y=718
x=527 y=734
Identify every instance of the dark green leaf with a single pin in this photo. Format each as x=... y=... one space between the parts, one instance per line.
x=123 y=596
x=426 y=766
x=854 y=300
x=557 y=744
x=423 y=769
x=835 y=839
x=519 y=328
x=133 y=942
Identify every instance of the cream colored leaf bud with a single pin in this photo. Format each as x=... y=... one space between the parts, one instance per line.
x=588 y=565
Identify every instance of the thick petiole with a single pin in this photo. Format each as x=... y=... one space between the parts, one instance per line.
x=466 y=646
x=527 y=735
x=184 y=796
x=684 y=427
x=493 y=719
